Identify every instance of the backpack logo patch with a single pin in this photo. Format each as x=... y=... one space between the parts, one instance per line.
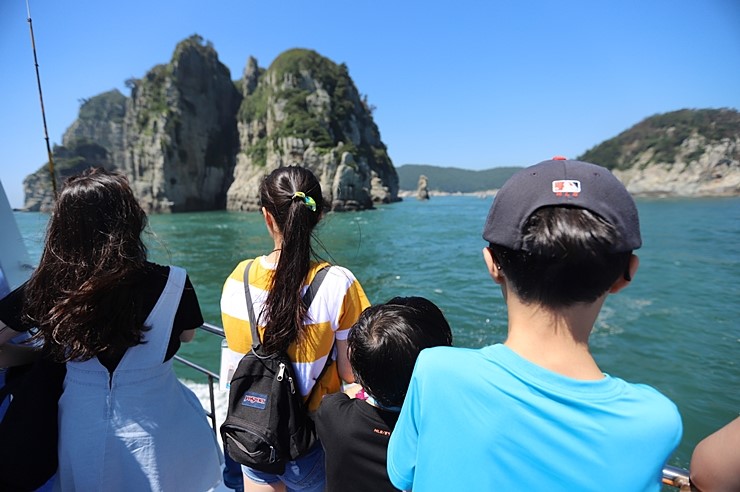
x=254 y=400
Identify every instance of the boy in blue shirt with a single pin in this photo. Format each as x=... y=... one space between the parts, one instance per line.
x=536 y=412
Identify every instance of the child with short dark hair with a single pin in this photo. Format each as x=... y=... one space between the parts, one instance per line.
x=383 y=347
x=536 y=412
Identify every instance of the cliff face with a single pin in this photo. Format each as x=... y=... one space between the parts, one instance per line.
x=681 y=153
x=100 y=123
x=715 y=172
x=180 y=132
x=305 y=110
x=189 y=138
x=94 y=139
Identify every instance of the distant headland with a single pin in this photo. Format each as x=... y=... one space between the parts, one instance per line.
x=685 y=153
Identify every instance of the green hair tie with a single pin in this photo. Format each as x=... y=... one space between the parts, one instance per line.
x=307 y=200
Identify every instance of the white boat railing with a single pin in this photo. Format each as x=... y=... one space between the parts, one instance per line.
x=672 y=476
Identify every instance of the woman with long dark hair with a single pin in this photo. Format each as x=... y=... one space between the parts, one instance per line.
x=125 y=421
x=292 y=205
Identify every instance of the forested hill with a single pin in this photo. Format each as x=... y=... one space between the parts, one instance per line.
x=453 y=179
x=690 y=152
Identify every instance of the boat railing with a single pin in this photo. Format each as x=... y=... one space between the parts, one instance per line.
x=672 y=476
x=676 y=477
x=213 y=378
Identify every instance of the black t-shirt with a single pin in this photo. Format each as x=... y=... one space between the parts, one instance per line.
x=150 y=287
x=355 y=437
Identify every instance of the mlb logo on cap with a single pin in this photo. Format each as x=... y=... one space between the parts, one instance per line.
x=571 y=186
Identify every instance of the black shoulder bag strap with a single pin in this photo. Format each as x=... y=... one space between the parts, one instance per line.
x=308 y=297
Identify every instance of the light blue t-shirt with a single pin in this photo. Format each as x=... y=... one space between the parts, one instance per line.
x=488 y=419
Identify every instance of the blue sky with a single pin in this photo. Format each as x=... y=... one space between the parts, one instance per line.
x=472 y=84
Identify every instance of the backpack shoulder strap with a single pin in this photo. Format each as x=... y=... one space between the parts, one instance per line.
x=256 y=342
x=308 y=297
x=313 y=287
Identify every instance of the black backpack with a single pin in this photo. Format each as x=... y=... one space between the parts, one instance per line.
x=267 y=423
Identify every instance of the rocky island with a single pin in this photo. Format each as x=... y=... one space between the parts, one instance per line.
x=189 y=138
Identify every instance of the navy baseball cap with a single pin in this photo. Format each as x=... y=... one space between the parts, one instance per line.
x=562 y=183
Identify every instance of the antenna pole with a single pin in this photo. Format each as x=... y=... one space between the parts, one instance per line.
x=41 y=98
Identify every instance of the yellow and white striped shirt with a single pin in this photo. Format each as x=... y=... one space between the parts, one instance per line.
x=335 y=308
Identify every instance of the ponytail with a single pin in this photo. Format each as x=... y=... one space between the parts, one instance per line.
x=293 y=196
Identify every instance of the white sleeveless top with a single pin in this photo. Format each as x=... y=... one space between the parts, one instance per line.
x=139 y=428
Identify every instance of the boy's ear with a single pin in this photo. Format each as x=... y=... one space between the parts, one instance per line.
x=493 y=268
x=625 y=280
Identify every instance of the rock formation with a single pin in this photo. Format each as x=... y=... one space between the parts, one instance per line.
x=422 y=189
x=681 y=153
x=189 y=138
x=305 y=110
x=94 y=139
x=181 y=137
x=100 y=123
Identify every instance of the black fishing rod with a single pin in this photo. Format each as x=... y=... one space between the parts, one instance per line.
x=41 y=98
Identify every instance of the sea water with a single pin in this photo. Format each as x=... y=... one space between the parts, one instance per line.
x=676 y=327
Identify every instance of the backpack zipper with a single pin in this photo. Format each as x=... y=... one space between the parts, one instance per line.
x=281 y=375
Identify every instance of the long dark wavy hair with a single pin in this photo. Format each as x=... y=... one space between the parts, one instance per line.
x=80 y=295
x=284 y=309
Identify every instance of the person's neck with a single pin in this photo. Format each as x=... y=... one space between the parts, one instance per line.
x=274 y=255
x=556 y=340
x=373 y=402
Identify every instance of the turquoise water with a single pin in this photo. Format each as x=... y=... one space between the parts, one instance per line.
x=677 y=327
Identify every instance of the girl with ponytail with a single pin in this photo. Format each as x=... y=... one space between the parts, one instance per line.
x=292 y=205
